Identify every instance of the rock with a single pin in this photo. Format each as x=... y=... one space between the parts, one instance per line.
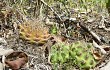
x=5 y=51
x=106 y=67
x=1 y=66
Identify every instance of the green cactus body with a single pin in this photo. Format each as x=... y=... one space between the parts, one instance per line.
x=59 y=53
x=81 y=53
x=78 y=53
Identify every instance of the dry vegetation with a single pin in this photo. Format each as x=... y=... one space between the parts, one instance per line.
x=52 y=34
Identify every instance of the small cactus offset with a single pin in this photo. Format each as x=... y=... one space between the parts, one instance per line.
x=78 y=53
x=34 y=32
x=82 y=55
x=59 y=53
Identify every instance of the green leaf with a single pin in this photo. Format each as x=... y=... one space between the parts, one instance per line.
x=53 y=30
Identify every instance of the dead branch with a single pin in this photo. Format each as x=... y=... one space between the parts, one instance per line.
x=51 y=9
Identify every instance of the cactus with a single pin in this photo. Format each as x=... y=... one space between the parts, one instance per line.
x=78 y=53
x=59 y=53
x=34 y=32
x=81 y=53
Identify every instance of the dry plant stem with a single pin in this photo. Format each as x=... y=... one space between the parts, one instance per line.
x=94 y=35
x=37 y=8
x=103 y=25
x=51 y=9
x=100 y=47
x=106 y=29
x=47 y=50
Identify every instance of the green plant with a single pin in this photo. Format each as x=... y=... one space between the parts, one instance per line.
x=59 y=53
x=78 y=53
x=108 y=5
x=81 y=53
x=53 y=30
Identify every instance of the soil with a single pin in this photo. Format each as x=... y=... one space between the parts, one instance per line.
x=38 y=57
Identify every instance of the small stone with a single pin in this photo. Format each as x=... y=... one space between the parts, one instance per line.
x=1 y=66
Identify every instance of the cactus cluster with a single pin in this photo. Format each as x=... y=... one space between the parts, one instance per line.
x=34 y=32
x=82 y=55
x=78 y=53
